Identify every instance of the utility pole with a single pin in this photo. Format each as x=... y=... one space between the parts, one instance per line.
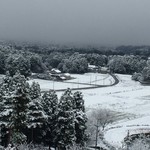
x=95 y=79
x=53 y=84
x=128 y=136
x=90 y=79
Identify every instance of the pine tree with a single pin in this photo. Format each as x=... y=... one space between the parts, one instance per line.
x=14 y=100
x=66 y=125
x=36 y=114
x=36 y=119
x=5 y=108
x=6 y=99
x=50 y=105
x=20 y=102
x=79 y=101
x=35 y=91
x=80 y=118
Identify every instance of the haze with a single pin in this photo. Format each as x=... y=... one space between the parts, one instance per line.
x=99 y=22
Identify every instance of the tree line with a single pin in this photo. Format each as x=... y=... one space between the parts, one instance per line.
x=72 y=62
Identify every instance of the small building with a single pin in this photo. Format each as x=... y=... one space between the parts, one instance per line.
x=67 y=76
x=92 y=68
x=55 y=71
x=62 y=78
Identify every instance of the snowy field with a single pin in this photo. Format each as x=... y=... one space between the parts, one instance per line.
x=88 y=78
x=52 y=85
x=129 y=97
x=92 y=78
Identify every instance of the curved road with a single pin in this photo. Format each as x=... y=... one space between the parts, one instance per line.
x=86 y=88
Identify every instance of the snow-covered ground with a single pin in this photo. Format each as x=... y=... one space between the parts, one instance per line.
x=92 y=78
x=52 y=85
x=88 y=78
x=127 y=97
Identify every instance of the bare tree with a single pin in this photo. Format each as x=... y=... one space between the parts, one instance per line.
x=98 y=120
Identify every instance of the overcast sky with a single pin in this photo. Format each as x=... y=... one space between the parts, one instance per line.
x=102 y=22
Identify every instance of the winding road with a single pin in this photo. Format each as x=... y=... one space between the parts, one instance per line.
x=86 y=88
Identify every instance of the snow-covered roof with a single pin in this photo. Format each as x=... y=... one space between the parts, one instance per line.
x=63 y=78
x=92 y=66
x=67 y=74
x=56 y=70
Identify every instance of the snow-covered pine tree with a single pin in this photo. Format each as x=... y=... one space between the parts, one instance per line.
x=78 y=101
x=50 y=105
x=35 y=91
x=6 y=99
x=20 y=102
x=14 y=99
x=66 y=123
x=36 y=115
x=80 y=118
x=6 y=85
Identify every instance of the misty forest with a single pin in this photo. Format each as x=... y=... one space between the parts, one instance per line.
x=74 y=75
x=36 y=115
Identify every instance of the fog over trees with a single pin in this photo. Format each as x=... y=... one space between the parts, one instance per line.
x=55 y=40
x=85 y=22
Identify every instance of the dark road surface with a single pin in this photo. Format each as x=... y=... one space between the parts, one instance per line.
x=86 y=88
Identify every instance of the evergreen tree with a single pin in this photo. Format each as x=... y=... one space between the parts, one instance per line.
x=6 y=98
x=36 y=115
x=80 y=119
x=66 y=125
x=20 y=102
x=50 y=105
x=79 y=101
x=14 y=100
x=5 y=108
x=35 y=91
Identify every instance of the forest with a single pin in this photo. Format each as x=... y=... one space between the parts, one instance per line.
x=40 y=59
x=29 y=116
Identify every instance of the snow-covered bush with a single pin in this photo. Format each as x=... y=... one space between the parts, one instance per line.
x=136 y=76
x=137 y=142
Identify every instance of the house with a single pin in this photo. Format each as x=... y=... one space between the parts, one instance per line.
x=92 y=68
x=67 y=76
x=55 y=71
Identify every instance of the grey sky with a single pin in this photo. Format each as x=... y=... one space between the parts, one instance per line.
x=103 y=22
